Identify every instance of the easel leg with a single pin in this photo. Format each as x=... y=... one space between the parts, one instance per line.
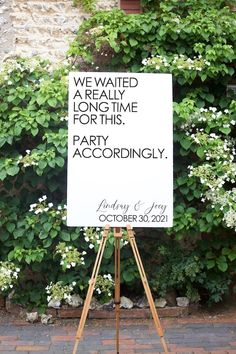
x=92 y=283
x=117 y=236
x=146 y=287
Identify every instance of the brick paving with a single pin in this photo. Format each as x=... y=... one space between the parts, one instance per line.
x=136 y=336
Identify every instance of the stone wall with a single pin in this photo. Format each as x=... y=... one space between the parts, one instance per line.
x=6 y=29
x=45 y=28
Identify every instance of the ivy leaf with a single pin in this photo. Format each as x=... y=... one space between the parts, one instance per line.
x=108 y=252
x=210 y=264
x=74 y=236
x=222 y=266
x=185 y=143
x=53 y=233
x=10 y=227
x=47 y=226
x=40 y=119
x=184 y=190
x=225 y=251
x=65 y=236
x=40 y=100
x=10 y=98
x=47 y=243
x=42 y=164
x=13 y=170
x=34 y=131
x=59 y=161
x=200 y=152
x=203 y=77
x=145 y=27
x=126 y=59
x=209 y=97
x=3 y=175
x=4 y=236
x=181 y=180
x=232 y=256
x=30 y=236
x=181 y=80
x=52 y=102
x=231 y=71
x=18 y=233
x=133 y=42
x=135 y=68
x=210 y=255
x=28 y=259
x=128 y=276
x=226 y=131
x=222 y=263
x=17 y=130
x=43 y=235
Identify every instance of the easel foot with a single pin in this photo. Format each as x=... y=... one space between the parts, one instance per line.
x=75 y=346
x=163 y=342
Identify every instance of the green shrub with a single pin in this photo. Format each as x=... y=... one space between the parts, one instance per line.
x=202 y=270
x=196 y=45
x=33 y=140
x=196 y=42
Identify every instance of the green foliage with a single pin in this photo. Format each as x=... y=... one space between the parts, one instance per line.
x=193 y=40
x=104 y=287
x=114 y=40
x=201 y=270
x=8 y=276
x=33 y=140
x=199 y=51
x=70 y=256
x=87 y=5
x=59 y=291
x=31 y=295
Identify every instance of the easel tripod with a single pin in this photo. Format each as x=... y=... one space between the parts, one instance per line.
x=92 y=282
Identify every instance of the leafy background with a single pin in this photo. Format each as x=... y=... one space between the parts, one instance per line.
x=195 y=42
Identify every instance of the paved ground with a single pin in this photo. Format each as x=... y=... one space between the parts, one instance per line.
x=210 y=335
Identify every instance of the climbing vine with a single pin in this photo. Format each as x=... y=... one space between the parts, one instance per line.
x=194 y=41
x=87 y=5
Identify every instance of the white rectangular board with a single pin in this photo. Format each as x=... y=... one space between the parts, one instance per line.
x=120 y=150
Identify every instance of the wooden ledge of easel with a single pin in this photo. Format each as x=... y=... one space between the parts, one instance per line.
x=130 y=231
x=106 y=228
x=117 y=232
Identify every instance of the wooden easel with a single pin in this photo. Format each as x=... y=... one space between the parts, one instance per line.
x=92 y=282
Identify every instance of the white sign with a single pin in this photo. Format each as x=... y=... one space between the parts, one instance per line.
x=120 y=158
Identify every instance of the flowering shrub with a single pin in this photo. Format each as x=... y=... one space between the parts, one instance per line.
x=177 y=36
x=93 y=237
x=207 y=131
x=8 y=275
x=183 y=68
x=195 y=42
x=70 y=256
x=104 y=287
x=33 y=141
x=59 y=291
x=43 y=207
